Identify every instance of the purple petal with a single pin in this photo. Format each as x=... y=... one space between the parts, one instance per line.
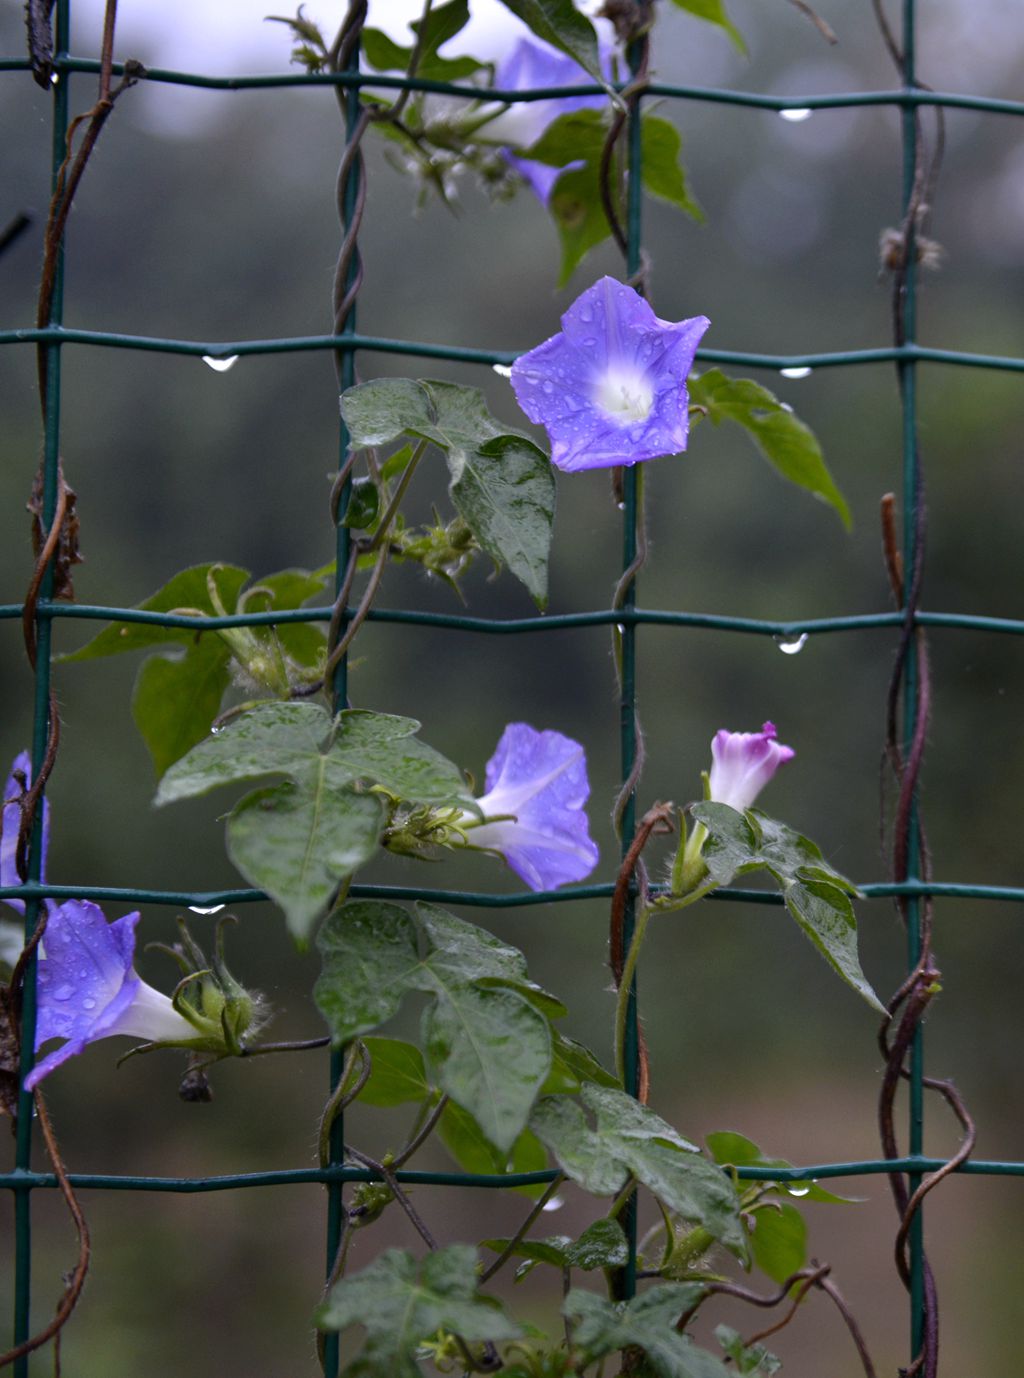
x=533 y=66
x=86 y=966
x=84 y=1034
x=88 y=988
x=611 y=387
x=743 y=763
x=540 y=778
x=539 y=176
x=10 y=822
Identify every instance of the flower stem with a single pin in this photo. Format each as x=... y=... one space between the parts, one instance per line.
x=625 y=989
x=392 y=509
x=520 y=1234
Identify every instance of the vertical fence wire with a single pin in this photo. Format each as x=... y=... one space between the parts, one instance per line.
x=41 y=725
x=907 y=374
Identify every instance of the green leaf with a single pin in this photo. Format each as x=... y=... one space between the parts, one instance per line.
x=561 y=24
x=368 y=948
x=601 y=1245
x=302 y=741
x=751 y=840
x=382 y=749
x=573 y=1064
x=502 y=485
x=579 y=215
x=401 y=1303
x=553 y=1251
x=298 y=842
x=733 y=842
x=559 y=1122
x=603 y=1327
x=397 y=1074
x=443 y=23
x=466 y=1142
x=575 y=202
x=663 y=174
x=491 y=1051
x=576 y=137
x=177 y=697
x=749 y=1359
x=504 y=490
x=825 y=914
x=735 y=1150
x=816 y=896
x=187 y=590
x=288 y=588
x=629 y=1138
x=303 y=642
x=779 y=1240
x=783 y=439
x=363 y=505
x=489 y=1048
x=714 y=12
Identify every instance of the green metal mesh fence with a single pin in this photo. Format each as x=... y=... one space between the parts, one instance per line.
x=907 y=354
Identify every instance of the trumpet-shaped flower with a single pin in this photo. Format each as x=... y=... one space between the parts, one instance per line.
x=531 y=66
x=743 y=763
x=88 y=988
x=86 y=984
x=610 y=388
x=536 y=787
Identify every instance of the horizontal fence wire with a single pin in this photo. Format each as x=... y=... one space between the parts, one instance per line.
x=809 y=1172
x=907 y=355
x=601 y=617
x=884 y=354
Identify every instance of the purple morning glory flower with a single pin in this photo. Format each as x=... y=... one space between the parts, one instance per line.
x=88 y=989
x=531 y=66
x=540 y=778
x=86 y=984
x=10 y=822
x=743 y=763
x=610 y=388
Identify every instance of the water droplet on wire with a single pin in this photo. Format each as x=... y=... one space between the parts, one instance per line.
x=502 y=370
x=200 y=909
x=800 y=372
x=796 y=114
x=220 y=365
x=798 y=1188
x=790 y=646
x=555 y=1204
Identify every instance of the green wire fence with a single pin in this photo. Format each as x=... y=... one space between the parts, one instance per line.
x=907 y=354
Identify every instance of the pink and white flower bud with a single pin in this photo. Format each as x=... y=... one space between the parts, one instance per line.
x=742 y=763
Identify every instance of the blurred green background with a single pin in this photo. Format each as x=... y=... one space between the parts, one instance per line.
x=210 y=216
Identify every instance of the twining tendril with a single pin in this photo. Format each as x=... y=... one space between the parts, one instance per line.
x=911 y=675
x=56 y=549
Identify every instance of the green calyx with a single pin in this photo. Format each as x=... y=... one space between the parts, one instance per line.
x=217 y=1006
